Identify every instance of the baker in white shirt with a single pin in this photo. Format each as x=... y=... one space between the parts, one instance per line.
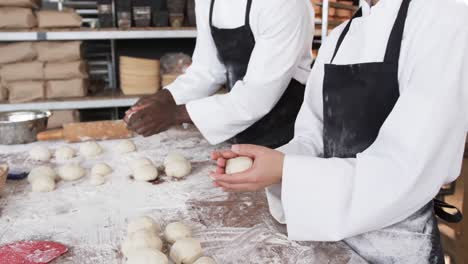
x=382 y=128
x=261 y=52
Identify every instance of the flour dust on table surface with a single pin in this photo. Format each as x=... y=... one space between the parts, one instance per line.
x=92 y=220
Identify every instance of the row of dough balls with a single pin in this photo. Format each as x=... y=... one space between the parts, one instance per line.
x=88 y=149
x=43 y=178
x=175 y=165
x=143 y=245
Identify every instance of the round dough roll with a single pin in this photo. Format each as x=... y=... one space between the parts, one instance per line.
x=145 y=173
x=140 y=240
x=90 y=149
x=239 y=164
x=101 y=169
x=186 y=251
x=125 y=146
x=143 y=223
x=175 y=231
x=139 y=162
x=64 y=153
x=178 y=169
x=71 y=172
x=205 y=260
x=40 y=172
x=146 y=256
x=40 y=154
x=43 y=184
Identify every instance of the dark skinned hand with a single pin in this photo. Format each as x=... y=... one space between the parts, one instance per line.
x=156 y=113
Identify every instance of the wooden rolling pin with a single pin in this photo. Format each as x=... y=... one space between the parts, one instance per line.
x=77 y=132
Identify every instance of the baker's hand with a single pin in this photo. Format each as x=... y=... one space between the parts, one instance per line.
x=156 y=115
x=266 y=170
x=163 y=96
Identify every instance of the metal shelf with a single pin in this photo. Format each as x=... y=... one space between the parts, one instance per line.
x=90 y=102
x=99 y=34
x=339 y=6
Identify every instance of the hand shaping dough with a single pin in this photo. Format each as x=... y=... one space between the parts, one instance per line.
x=186 y=251
x=125 y=146
x=205 y=260
x=101 y=169
x=71 y=172
x=175 y=231
x=90 y=149
x=145 y=173
x=146 y=256
x=238 y=165
x=177 y=166
x=40 y=153
x=64 y=153
x=139 y=162
x=42 y=179
x=97 y=179
x=140 y=240
x=143 y=223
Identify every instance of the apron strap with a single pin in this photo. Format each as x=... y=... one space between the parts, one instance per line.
x=211 y=12
x=392 y=54
x=343 y=34
x=439 y=209
x=247 y=12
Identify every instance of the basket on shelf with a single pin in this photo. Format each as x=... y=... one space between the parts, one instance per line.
x=139 y=76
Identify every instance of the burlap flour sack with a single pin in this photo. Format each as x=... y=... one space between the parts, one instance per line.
x=21 y=3
x=58 y=51
x=12 y=17
x=58 y=19
x=20 y=92
x=22 y=71
x=67 y=88
x=65 y=70
x=17 y=52
x=59 y=118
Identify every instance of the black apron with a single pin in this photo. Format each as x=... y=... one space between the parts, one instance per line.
x=235 y=48
x=357 y=100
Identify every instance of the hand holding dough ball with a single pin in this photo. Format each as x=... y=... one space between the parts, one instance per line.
x=71 y=172
x=145 y=173
x=175 y=231
x=239 y=164
x=136 y=163
x=146 y=256
x=177 y=166
x=205 y=260
x=101 y=169
x=186 y=251
x=125 y=146
x=64 y=153
x=140 y=240
x=90 y=149
x=40 y=154
x=143 y=223
x=42 y=179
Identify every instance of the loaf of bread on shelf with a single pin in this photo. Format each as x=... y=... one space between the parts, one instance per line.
x=22 y=71
x=59 y=118
x=25 y=91
x=65 y=70
x=67 y=88
x=17 y=18
x=58 y=19
x=17 y=52
x=58 y=51
x=21 y=3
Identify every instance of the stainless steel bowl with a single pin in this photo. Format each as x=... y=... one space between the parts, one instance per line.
x=22 y=127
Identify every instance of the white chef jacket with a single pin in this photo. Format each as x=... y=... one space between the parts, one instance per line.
x=283 y=31
x=419 y=147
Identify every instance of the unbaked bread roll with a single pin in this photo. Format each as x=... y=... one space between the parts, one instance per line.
x=90 y=149
x=40 y=153
x=175 y=231
x=143 y=223
x=177 y=166
x=186 y=251
x=239 y=164
x=125 y=146
x=140 y=240
x=71 y=172
x=64 y=153
x=205 y=260
x=146 y=256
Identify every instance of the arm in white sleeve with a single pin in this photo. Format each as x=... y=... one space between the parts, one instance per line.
x=419 y=148
x=285 y=32
x=206 y=74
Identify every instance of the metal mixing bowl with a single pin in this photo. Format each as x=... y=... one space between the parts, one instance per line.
x=22 y=127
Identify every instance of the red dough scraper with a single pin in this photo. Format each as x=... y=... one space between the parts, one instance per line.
x=31 y=252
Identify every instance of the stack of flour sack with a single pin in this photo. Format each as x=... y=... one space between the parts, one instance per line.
x=38 y=70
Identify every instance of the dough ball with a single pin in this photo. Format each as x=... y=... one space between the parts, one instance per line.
x=90 y=149
x=139 y=162
x=146 y=256
x=97 y=179
x=186 y=251
x=143 y=223
x=40 y=154
x=205 y=260
x=71 y=172
x=178 y=169
x=238 y=165
x=171 y=157
x=64 y=153
x=140 y=240
x=175 y=231
x=145 y=173
x=43 y=184
x=101 y=169
x=40 y=172
x=125 y=146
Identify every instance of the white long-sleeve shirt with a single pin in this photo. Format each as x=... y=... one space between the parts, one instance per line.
x=283 y=31
x=420 y=146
